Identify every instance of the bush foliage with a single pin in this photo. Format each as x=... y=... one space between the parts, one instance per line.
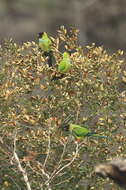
x=33 y=108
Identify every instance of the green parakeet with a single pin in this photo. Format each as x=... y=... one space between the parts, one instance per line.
x=65 y=64
x=45 y=44
x=80 y=132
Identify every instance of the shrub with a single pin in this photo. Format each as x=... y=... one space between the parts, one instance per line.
x=33 y=108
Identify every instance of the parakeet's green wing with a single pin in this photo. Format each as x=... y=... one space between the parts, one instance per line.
x=62 y=66
x=79 y=131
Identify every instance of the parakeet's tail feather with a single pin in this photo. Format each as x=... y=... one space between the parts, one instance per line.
x=96 y=135
x=100 y=136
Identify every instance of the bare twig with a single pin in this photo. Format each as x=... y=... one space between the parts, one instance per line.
x=62 y=155
x=77 y=115
x=65 y=166
x=46 y=175
x=20 y=168
x=42 y=167
x=48 y=151
x=61 y=159
x=64 y=181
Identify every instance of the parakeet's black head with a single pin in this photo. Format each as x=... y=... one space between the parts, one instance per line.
x=40 y=34
x=65 y=127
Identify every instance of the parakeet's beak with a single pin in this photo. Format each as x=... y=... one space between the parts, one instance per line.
x=65 y=127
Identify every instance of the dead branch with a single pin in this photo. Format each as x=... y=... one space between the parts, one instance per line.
x=20 y=168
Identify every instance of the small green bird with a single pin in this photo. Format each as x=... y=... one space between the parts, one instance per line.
x=80 y=132
x=45 y=44
x=65 y=64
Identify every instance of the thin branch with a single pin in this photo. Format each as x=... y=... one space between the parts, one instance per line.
x=77 y=115
x=61 y=159
x=42 y=170
x=42 y=167
x=20 y=168
x=48 y=151
x=67 y=165
x=46 y=175
x=64 y=181
x=62 y=155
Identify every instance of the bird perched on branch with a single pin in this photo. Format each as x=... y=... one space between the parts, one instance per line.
x=45 y=44
x=80 y=132
x=65 y=64
x=115 y=170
